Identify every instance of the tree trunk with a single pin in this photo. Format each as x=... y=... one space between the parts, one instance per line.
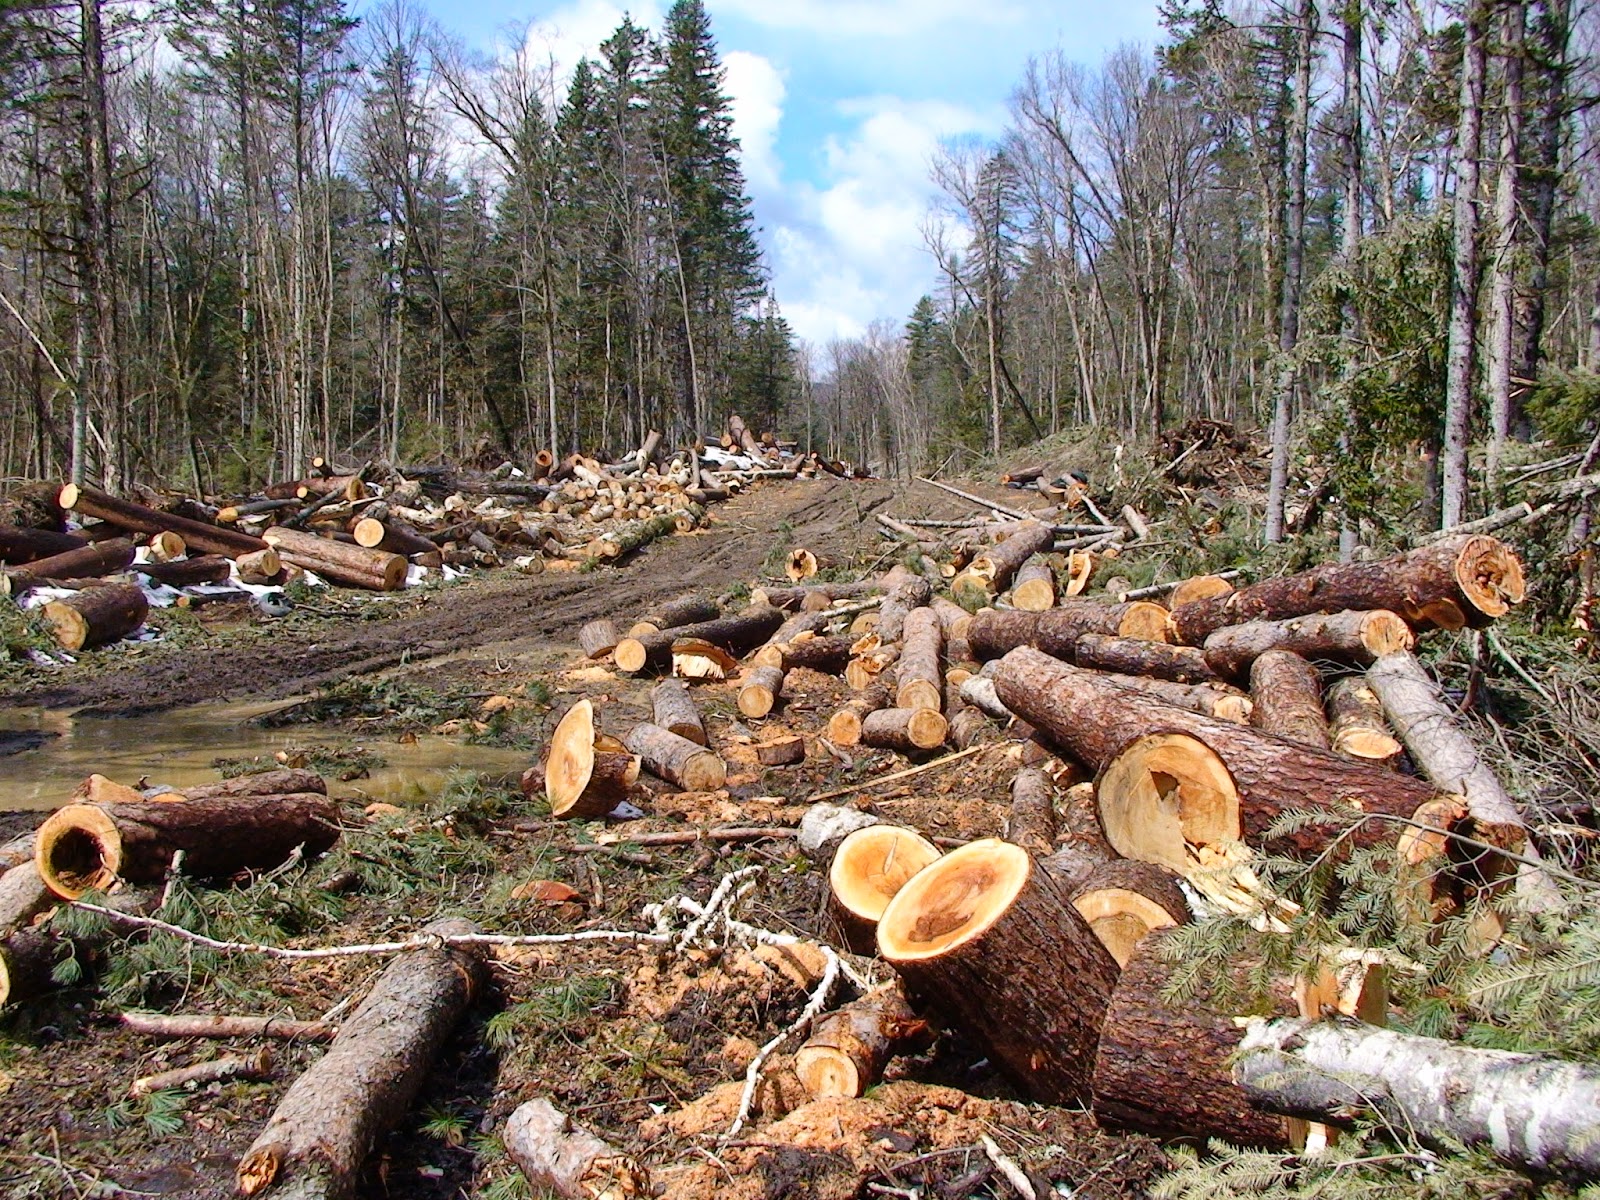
x=341 y=562
x=828 y=655
x=991 y=572
x=813 y=597
x=920 y=679
x=1056 y=632
x=1138 y=656
x=96 y=616
x=676 y=759
x=84 y=562
x=561 y=1158
x=1356 y=725
x=284 y=782
x=209 y=539
x=1502 y=288
x=674 y=710
x=23 y=896
x=1034 y=589
x=900 y=600
x=737 y=634
x=1287 y=692
x=1032 y=823
x=908 y=730
x=19 y=546
x=1347 y=637
x=1125 y=901
x=849 y=1047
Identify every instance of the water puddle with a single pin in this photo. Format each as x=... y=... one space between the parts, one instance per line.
x=44 y=754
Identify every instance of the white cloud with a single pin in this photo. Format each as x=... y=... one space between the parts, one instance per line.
x=576 y=31
x=756 y=92
x=876 y=18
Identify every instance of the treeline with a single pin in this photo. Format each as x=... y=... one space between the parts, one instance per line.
x=1369 y=227
x=237 y=233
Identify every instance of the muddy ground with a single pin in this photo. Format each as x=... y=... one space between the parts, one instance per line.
x=646 y=1049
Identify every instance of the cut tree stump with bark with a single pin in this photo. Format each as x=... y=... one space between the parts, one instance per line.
x=328 y=1121
x=341 y=562
x=737 y=633
x=1140 y=656
x=1461 y=581
x=1125 y=901
x=849 y=1047
x=868 y=868
x=759 y=691
x=1287 y=692
x=844 y=726
x=124 y=514
x=995 y=631
x=561 y=1158
x=1032 y=823
x=18 y=546
x=581 y=779
x=80 y=562
x=1035 y=587
x=919 y=677
x=674 y=710
x=993 y=941
x=96 y=616
x=1357 y=637
x=908 y=730
x=1356 y=724
x=676 y=759
x=991 y=572
x=681 y=610
x=599 y=638
x=84 y=846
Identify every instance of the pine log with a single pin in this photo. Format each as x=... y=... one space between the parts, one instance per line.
x=995 y=631
x=1032 y=823
x=866 y=665
x=1287 y=693
x=978 y=691
x=812 y=597
x=844 y=726
x=992 y=940
x=350 y=565
x=562 y=1159
x=166 y=547
x=23 y=896
x=635 y=535
x=969 y=727
x=771 y=653
x=97 y=616
x=1169 y=775
x=27 y=960
x=1356 y=723
x=868 y=868
x=84 y=846
x=1534 y=1111
x=849 y=1047
x=208 y=539
x=581 y=779
x=1213 y=699
x=689 y=609
x=258 y=566
x=83 y=562
x=737 y=633
x=186 y=572
x=1125 y=901
x=1200 y=587
x=908 y=730
x=18 y=546
x=919 y=677
x=391 y=535
x=1349 y=637
x=828 y=655
x=991 y=572
x=1035 y=586
x=1140 y=656
x=283 y=782
x=900 y=599
x=1460 y=581
x=676 y=759
x=330 y=1118
x=673 y=709
x=599 y=638
x=782 y=751
x=759 y=691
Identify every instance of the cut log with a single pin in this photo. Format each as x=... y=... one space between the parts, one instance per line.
x=1451 y=584
x=258 y=566
x=737 y=633
x=969 y=727
x=124 y=514
x=1170 y=777
x=995 y=631
x=329 y=1119
x=781 y=752
x=908 y=730
x=96 y=616
x=829 y=655
x=581 y=780
x=696 y=658
x=919 y=676
x=1201 y=587
x=23 y=896
x=1035 y=586
x=759 y=691
x=978 y=691
x=1356 y=725
x=994 y=942
x=812 y=597
x=681 y=610
x=849 y=1047
x=27 y=960
x=675 y=759
x=635 y=535
x=84 y=846
x=1032 y=823
x=1080 y=570
x=255 y=1065
x=599 y=637
x=866 y=665
x=221 y=1025
x=1347 y=637
x=991 y=572
x=1287 y=693
x=284 y=782
x=561 y=1158
x=1140 y=656
x=340 y=562
x=801 y=564
x=1213 y=699
x=1533 y=1111
x=900 y=599
x=18 y=546
x=868 y=868
x=186 y=572
x=83 y=562
x=771 y=653
x=391 y=535
x=674 y=710
x=1125 y=901
x=844 y=727
x=166 y=547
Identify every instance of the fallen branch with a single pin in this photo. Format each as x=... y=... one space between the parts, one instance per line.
x=1014 y=513
x=232 y=1066
x=895 y=775
x=217 y=1025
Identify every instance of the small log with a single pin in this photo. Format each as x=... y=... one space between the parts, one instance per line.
x=1356 y=724
x=124 y=514
x=675 y=759
x=908 y=730
x=18 y=546
x=1032 y=823
x=391 y=535
x=83 y=562
x=737 y=633
x=1125 y=901
x=781 y=752
x=1451 y=584
x=844 y=726
x=259 y=566
x=759 y=691
x=1347 y=637
x=991 y=572
x=23 y=896
x=283 y=782
x=1035 y=586
x=186 y=572
x=1139 y=656
x=166 y=547
x=84 y=846
x=994 y=942
x=969 y=727
x=348 y=564
x=330 y=1118
x=771 y=653
x=1287 y=692
x=222 y=1025
x=868 y=868
x=599 y=638
x=635 y=535
x=978 y=691
x=231 y=1066
x=97 y=616
x=919 y=676
x=581 y=780
x=812 y=597
x=674 y=710
x=994 y=631
x=561 y=1158
x=849 y=1047
x=829 y=655
x=1213 y=699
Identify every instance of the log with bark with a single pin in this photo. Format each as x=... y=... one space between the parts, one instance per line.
x=919 y=676
x=1199 y=587
x=391 y=534
x=993 y=941
x=18 y=546
x=1356 y=724
x=561 y=1158
x=908 y=730
x=1125 y=901
x=849 y=1047
x=187 y=572
x=1458 y=582
x=829 y=655
x=582 y=780
x=96 y=616
x=83 y=846
x=801 y=564
x=81 y=562
x=1357 y=637
x=844 y=726
x=770 y=653
x=1032 y=821
x=1140 y=656
x=1287 y=693
x=991 y=572
x=782 y=751
x=759 y=691
x=599 y=637
x=225 y=1025
x=282 y=782
x=1056 y=632
x=813 y=597
x=690 y=609
x=340 y=562
x=900 y=599
x=737 y=633
x=676 y=759
x=868 y=868
x=124 y=514
x=258 y=566
x=1035 y=587
x=673 y=709
x=327 y=1122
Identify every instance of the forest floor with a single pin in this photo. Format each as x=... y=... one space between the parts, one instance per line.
x=646 y=1049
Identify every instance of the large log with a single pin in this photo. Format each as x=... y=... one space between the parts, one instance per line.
x=849 y=1047
x=83 y=846
x=676 y=759
x=1140 y=656
x=991 y=572
x=1035 y=586
x=328 y=1120
x=581 y=780
x=561 y=1158
x=1348 y=637
x=1169 y=775
x=868 y=868
x=1287 y=692
x=992 y=940
x=995 y=631
x=1451 y=584
x=737 y=633
x=82 y=562
x=759 y=691
x=209 y=539
x=18 y=546
x=673 y=709
x=1032 y=822
x=898 y=602
x=919 y=677
x=97 y=616
x=340 y=562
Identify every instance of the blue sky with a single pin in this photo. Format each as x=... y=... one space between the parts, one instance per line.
x=839 y=107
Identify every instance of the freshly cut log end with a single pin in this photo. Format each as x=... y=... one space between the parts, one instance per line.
x=871 y=865
x=849 y=1048
x=1354 y=636
x=96 y=616
x=1124 y=901
x=581 y=780
x=802 y=564
x=1145 y=619
x=78 y=849
x=1201 y=587
x=760 y=691
x=1356 y=722
x=599 y=638
x=1035 y=586
x=629 y=653
x=1490 y=575
x=907 y=730
x=1164 y=792
x=954 y=905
